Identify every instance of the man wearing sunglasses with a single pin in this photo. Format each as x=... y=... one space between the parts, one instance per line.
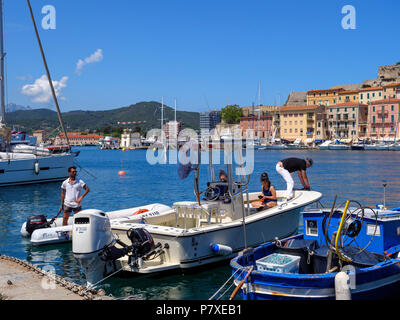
x=71 y=198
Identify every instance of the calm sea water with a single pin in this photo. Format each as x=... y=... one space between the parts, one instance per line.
x=348 y=174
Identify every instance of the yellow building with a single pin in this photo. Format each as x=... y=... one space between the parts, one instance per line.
x=323 y=97
x=390 y=91
x=307 y=123
x=370 y=94
x=349 y=96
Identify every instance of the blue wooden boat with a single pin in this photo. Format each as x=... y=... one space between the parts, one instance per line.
x=363 y=242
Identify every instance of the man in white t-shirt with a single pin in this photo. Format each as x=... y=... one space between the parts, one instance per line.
x=71 y=198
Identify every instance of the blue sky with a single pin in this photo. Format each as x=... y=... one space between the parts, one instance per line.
x=205 y=53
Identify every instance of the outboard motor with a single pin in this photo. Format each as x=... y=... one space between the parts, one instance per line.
x=94 y=246
x=91 y=234
x=36 y=222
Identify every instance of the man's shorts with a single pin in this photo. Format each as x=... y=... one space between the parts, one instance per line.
x=69 y=209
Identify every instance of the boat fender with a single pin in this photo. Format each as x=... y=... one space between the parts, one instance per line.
x=342 y=287
x=221 y=250
x=37 y=168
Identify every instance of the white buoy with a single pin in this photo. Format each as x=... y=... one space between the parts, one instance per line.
x=342 y=286
x=221 y=249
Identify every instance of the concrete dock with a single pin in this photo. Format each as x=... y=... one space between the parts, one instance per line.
x=20 y=280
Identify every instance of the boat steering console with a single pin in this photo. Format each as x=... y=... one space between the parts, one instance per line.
x=217 y=191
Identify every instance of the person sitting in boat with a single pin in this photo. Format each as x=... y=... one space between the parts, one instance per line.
x=268 y=198
x=223 y=189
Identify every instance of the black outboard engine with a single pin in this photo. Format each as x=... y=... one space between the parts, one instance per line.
x=142 y=241
x=36 y=222
x=142 y=245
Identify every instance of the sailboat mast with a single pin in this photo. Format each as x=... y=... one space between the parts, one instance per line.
x=175 y=125
x=259 y=111
x=162 y=120
x=48 y=75
x=2 y=57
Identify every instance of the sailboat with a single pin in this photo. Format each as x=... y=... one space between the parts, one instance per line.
x=24 y=164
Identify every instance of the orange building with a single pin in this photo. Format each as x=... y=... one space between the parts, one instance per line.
x=349 y=96
x=323 y=97
x=78 y=139
x=262 y=127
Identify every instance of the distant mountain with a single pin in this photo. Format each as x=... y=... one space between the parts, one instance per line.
x=150 y=112
x=12 y=107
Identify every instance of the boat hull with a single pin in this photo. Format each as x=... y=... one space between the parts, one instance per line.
x=379 y=281
x=188 y=250
x=21 y=172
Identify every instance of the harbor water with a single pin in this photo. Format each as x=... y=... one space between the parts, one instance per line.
x=356 y=175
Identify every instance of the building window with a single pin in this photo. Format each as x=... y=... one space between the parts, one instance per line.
x=373 y=119
x=392 y=108
x=392 y=118
x=362 y=96
x=373 y=109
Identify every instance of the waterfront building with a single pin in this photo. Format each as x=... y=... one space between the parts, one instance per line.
x=349 y=96
x=390 y=91
x=41 y=136
x=261 y=126
x=253 y=110
x=347 y=121
x=78 y=139
x=305 y=122
x=370 y=94
x=172 y=129
x=383 y=119
x=130 y=139
x=209 y=121
x=323 y=97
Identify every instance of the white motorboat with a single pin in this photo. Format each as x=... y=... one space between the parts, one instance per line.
x=43 y=231
x=382 y=147
x=325 y=145
x=191 y=234
x=339 y=146
x=395 y=147
x=370 y=147
x=23 y=164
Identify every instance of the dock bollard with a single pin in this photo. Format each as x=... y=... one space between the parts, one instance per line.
x=342 y=286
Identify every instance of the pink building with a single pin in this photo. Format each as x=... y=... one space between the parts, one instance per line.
x=383 y=119
x=264 y=126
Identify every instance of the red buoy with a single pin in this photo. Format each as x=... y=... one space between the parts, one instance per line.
x=122 y=173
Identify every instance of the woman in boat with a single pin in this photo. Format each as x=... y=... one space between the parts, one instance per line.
x=268 y=198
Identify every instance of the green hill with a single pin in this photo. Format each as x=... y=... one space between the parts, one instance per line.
x=150 y=112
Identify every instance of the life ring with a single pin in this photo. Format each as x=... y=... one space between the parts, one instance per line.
x=140 y=211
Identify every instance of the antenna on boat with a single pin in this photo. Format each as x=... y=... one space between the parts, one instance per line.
x=384 y=194
x=2 y=56
x=53 y=92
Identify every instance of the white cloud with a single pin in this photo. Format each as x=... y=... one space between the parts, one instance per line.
x=40 y=90
x=27 y=77
x=94 y=58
